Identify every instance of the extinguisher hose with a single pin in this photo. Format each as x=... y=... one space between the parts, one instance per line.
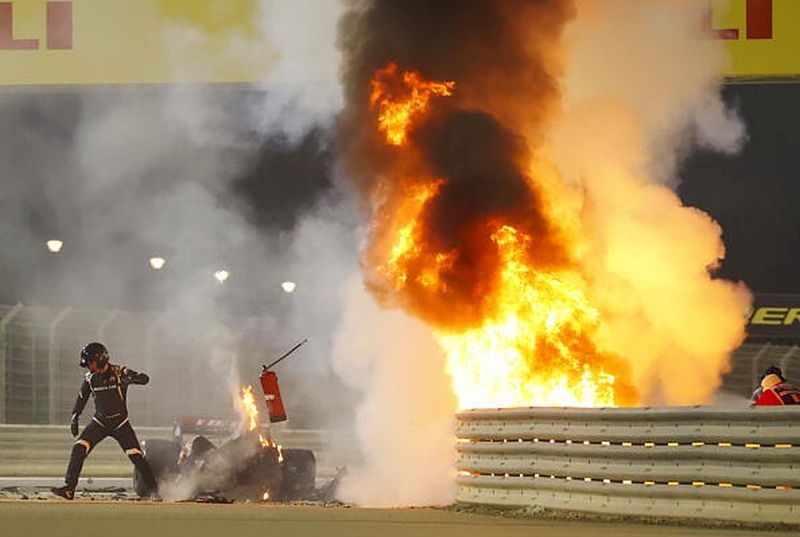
x=285 y=355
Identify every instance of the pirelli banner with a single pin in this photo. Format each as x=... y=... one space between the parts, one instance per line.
x=56 y=42
x=775 y=317
x=762 y=36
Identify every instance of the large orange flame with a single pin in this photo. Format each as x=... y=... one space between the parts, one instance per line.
x=399 y=100
x=536 y=348
x=405 y=246
x=536 y=341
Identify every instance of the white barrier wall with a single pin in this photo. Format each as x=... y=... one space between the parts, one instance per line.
x=693 y=462
x=43 y=450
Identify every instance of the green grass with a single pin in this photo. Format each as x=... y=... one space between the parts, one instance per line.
x=121 y=519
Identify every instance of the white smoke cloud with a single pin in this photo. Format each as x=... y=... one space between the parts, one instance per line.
x=718 y=127
x=123 y=167
x=303 y=87
x=651 y=59
x=640 y=87
x=405 y=420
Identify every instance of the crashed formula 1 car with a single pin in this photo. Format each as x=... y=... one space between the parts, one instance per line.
x=243 y=464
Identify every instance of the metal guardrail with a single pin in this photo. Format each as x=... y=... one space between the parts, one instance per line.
x=693 y=462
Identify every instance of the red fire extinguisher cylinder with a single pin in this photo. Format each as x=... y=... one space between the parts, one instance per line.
x=272 y=396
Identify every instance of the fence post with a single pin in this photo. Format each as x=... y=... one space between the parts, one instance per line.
x=150 y=335
x=101 y=330
x=787 y=356
x=3 y=356
x=755 y=367
x=52 y=364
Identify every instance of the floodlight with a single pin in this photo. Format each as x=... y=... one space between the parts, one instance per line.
x=288 y=287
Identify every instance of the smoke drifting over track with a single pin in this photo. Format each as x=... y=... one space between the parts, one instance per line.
x=208 y=177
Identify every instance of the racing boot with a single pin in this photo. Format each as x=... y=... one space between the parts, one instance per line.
x=65 y=492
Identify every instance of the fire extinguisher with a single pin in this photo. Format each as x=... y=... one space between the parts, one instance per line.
x=272 y=392
x=272 y=395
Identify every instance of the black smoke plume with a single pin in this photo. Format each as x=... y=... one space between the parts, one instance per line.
x=503 y=58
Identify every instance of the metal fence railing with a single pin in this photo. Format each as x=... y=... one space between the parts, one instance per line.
x=40 y=377
x=751 y=359
x=692 y=462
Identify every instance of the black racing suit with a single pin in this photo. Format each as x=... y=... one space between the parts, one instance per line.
x=110 y=390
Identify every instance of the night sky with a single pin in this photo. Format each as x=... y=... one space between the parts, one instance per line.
x=754 y=195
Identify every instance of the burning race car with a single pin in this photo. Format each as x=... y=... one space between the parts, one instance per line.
x=243 y=464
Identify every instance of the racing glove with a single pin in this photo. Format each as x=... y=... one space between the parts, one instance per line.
x=73 y=426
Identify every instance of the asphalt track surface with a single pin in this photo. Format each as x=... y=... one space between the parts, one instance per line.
x=87 y=518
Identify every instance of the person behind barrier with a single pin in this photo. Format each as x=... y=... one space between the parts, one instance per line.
x=108 y=384
x=774 y=390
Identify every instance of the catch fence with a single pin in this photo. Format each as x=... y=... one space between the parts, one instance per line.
x=40 y=377
x=751 y=359
x=692 y=462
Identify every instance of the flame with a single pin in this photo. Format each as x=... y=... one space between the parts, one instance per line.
x=536 y=342
x=535 y=350
x=265 y=496
x=247 y=403
x=406 y=244
x=398 y=102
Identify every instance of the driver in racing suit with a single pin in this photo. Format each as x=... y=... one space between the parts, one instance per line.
x=108 y=384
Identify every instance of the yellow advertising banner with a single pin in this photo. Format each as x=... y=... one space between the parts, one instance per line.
x=132 y=42
x=762 y=36
x=55 y=42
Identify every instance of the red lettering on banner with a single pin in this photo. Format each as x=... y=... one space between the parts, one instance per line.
x=59 y=25
x=759 y=19
x=726 y=33
x=7 y=41
x=758 y=22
